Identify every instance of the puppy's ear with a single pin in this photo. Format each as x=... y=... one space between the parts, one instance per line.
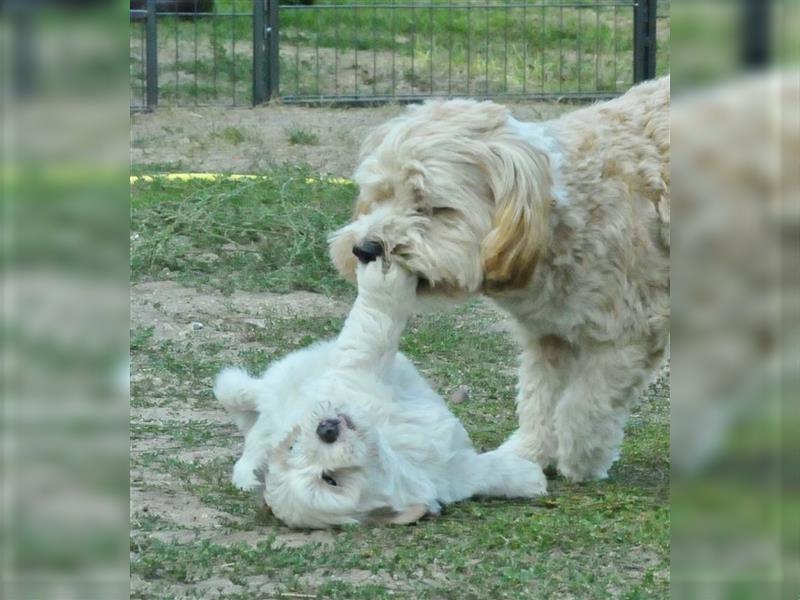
x=388 y=516
x=519 y=179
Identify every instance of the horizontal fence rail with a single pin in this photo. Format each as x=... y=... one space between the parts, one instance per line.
x=245 y=52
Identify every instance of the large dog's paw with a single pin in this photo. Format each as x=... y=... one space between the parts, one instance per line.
x=578 y=473
x=244 y=476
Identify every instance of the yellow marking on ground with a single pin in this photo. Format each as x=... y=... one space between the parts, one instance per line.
x=134 y=179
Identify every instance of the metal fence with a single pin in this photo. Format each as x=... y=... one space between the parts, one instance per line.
x=244 y=52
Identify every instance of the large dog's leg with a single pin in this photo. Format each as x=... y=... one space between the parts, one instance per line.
x=542 y=375
x=591 y=413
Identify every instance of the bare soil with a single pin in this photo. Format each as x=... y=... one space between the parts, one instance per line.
x=191 y=140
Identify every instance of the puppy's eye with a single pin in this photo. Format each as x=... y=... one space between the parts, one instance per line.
x=329 y=480
x=442 y=211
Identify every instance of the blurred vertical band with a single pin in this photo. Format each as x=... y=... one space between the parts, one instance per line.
x=63 y=530
x=736 y=291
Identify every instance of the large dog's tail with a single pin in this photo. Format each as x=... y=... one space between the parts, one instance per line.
x=238 y=393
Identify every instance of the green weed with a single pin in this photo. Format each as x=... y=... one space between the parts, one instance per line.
x=302 y=137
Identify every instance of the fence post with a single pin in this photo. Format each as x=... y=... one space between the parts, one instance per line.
x=151 y=58
x=755 y=28
x=644 y=40
x=259 y=51
x=273 y=57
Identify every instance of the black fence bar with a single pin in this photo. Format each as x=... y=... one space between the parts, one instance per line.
x=273 y=53
x=644 y=40
x=23 y=62
x=151 y=55
x=755 y=28
x=259 y=53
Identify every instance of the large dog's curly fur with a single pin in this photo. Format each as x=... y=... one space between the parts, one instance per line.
x=564 y=224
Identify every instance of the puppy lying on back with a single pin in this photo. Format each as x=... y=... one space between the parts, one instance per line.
x=347 y=430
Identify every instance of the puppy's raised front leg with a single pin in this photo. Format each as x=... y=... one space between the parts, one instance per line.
x=371 y=334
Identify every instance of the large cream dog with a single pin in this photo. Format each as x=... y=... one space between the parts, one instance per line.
x=347 y=431
x=564 y=224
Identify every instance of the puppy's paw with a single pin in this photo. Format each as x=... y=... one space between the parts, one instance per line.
x=244 y=476
x=535 y=481
x=528 y=479
x=388 y=280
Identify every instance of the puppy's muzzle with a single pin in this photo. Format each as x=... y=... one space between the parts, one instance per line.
x=328 y=430
x=367 y=251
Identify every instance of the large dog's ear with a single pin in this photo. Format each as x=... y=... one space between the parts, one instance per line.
x=340 y=249
x=390 y=516
x=520 y=180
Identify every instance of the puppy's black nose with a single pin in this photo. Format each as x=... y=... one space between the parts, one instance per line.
x=328 y=430
x=367 y=251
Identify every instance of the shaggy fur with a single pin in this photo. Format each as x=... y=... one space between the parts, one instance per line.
x=399 y=453
x=564 y=224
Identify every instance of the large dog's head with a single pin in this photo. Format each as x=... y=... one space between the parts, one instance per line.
x=452 y=192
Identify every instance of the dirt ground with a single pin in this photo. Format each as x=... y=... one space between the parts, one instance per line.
x=194 y=139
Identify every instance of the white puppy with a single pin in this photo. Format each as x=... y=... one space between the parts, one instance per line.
x=347 y=431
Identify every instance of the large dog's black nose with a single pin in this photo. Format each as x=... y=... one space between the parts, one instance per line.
x=328 y=430
x=367 y=251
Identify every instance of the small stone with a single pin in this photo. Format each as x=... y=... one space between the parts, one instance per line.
x=207 y=257
x=461 y=394
x=197 y=325
x=257 y=323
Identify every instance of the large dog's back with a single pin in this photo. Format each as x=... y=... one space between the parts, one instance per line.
x=626 y=139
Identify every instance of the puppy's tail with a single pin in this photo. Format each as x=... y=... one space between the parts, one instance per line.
x=238 y=393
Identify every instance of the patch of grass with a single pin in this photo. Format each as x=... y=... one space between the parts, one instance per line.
x=590 y=544
x=232 y=135
x=175 y=166
x=301 y=137
x=189 y=435
x=268 y=234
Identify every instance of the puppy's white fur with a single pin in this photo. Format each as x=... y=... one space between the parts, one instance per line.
x=564 y=224
x=400 y=452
